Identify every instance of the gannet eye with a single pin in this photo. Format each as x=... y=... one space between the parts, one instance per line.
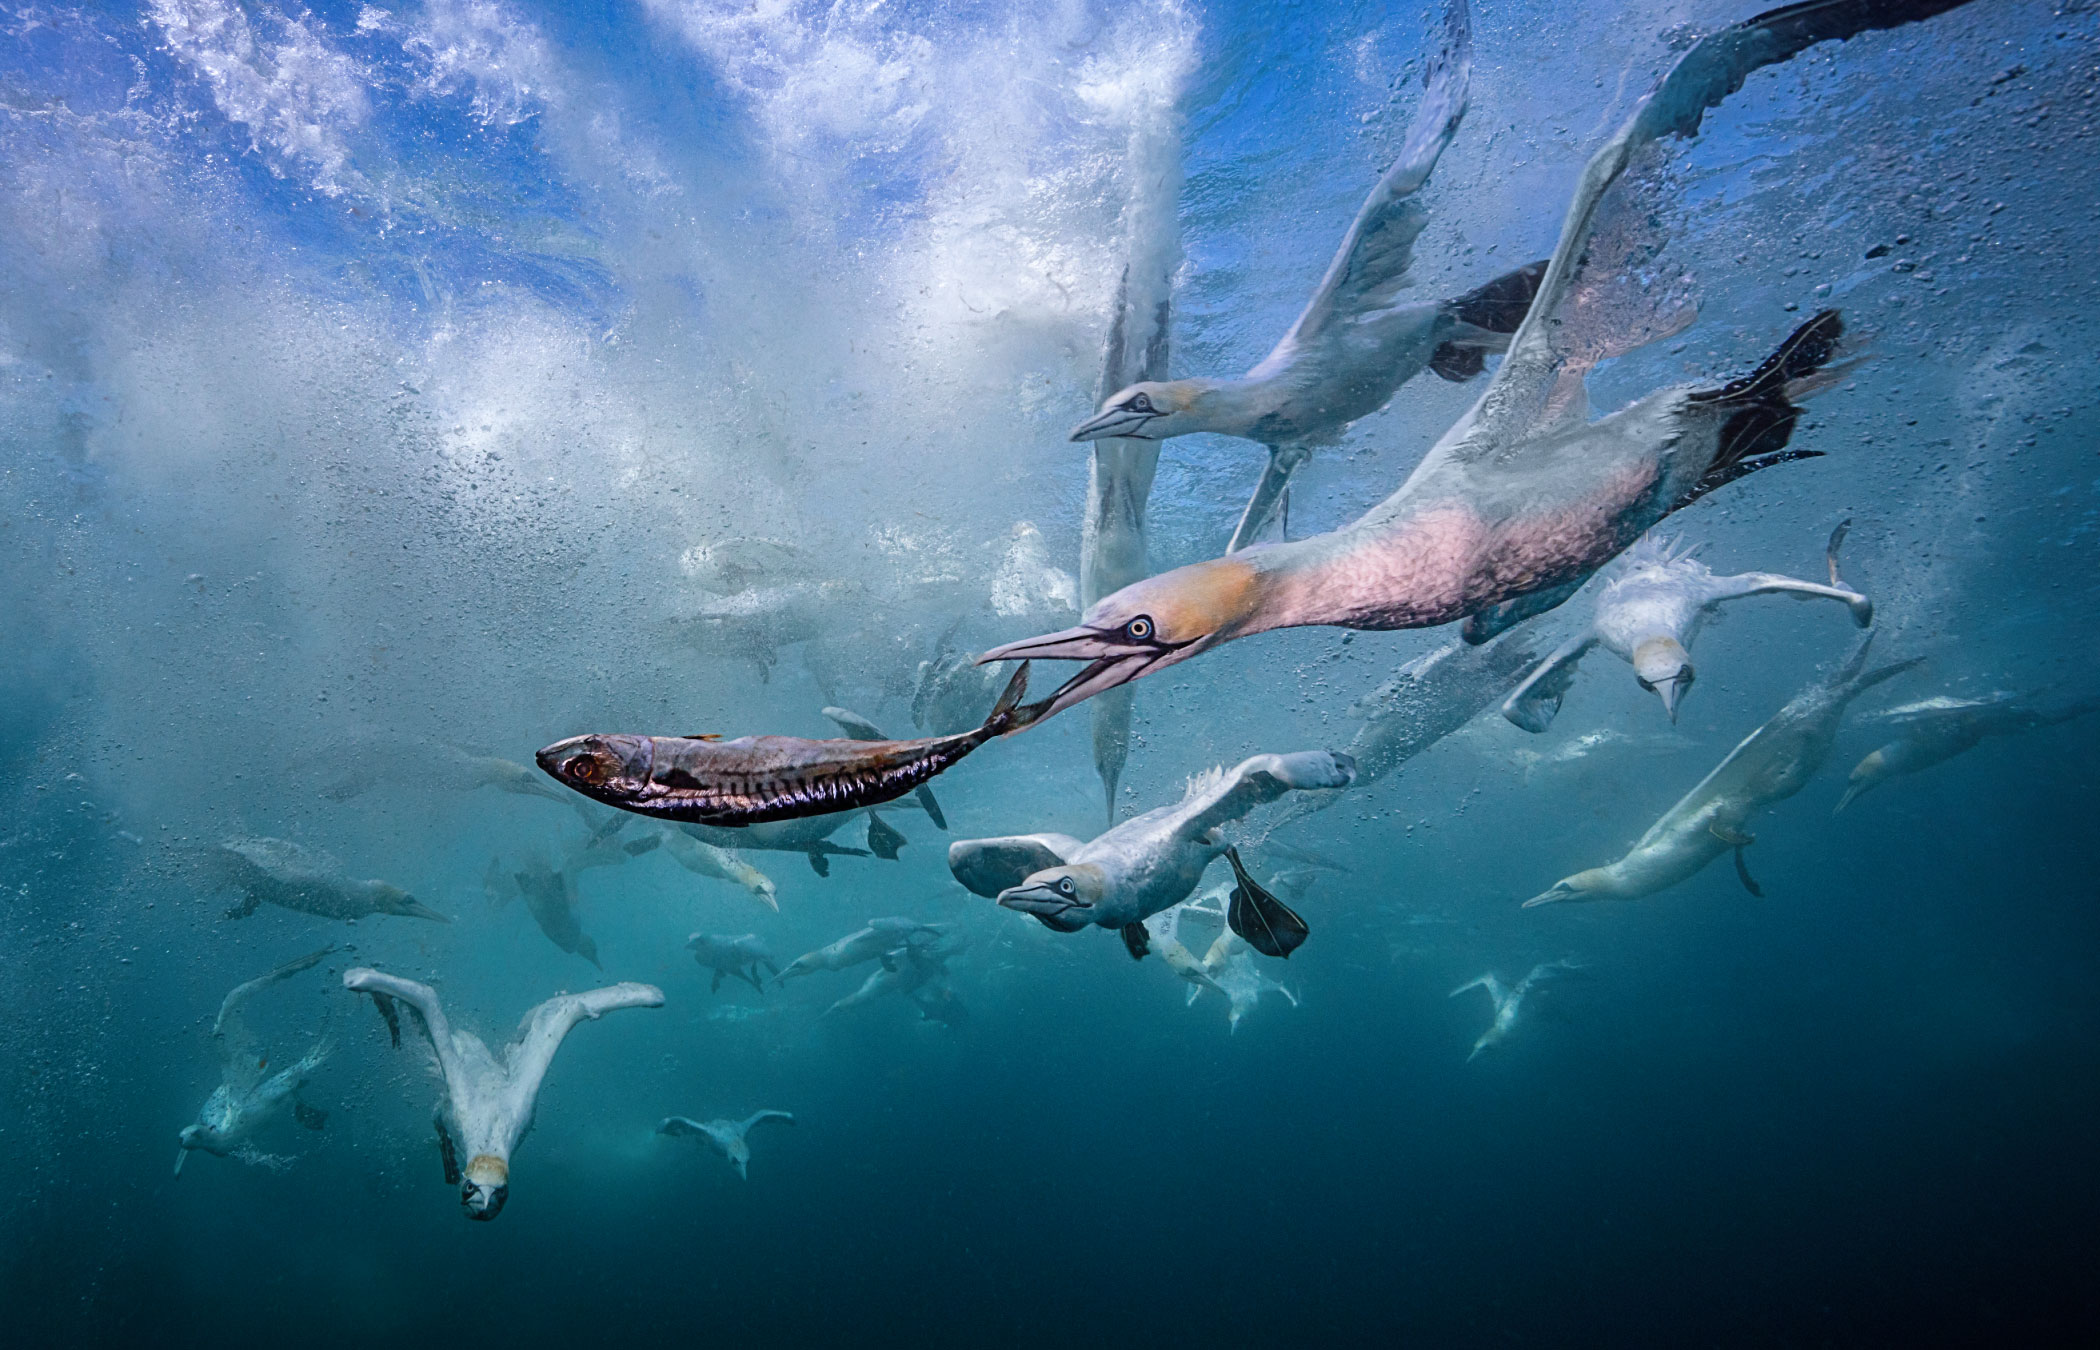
x=1064 y=885
x=1645 y=684
x=1138 y=629
x=1140 y=403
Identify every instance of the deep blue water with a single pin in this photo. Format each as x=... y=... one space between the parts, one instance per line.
x=366 y=372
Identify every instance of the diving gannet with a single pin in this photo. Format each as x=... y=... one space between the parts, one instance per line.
x=731 y=566
x=1233 y=973
x=1148 y=862
x=1650 y=613
x=290 y=876
x=1355 y=343
x=916 y=968
x=1524 y=497
x=755 y=623
x=740 y=956
x=726 y=1137
x=704 y=859
x=808 y=836
x=488 y=1102
x=550 y=896
x=1771 y=764
x=862 y=944
x=1938 y=729
x=244 y=1099
x=1508 y=1001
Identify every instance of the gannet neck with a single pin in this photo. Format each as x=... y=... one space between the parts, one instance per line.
x=1242 y=407
x=1414 y=573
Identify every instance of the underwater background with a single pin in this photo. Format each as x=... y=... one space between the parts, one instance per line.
x=371 y=374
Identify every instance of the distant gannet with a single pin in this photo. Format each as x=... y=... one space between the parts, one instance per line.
x=862 y=944
x=915 y=968
x=1649 y=615
x=704 y=859
x=1507 y=1001
x=290 y=876
x=731 y=566
x=550 y=896
x=1148 y=862
x=1524 y=497
x=488 y=1101
x=244 y=1099
x=726 y=1137
x=1771 y=764
x=1233 y=973
x=1938 y=729
x=1355 y=343
x=739 y=956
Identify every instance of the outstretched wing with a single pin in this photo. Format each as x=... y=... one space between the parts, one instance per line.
x=989 y=866
x=679 y=1126
x=1487 y=982
x=386 y=990
x=1215 y=798
x=1373 y=260
x=1532 y=704
x=1601 y=296
x=759 y=1118
x=240 y=1054
x=544 y=1027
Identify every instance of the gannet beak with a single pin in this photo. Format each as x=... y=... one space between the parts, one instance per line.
x=1115 y=660
x=1561 y=891
x=1113 y=422
x=1672 y=690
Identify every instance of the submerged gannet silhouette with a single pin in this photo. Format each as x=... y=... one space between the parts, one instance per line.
x=726 y=1137
x=858 y=946
x=550 y=897
x=1233 y=973
x=1140 y=867
x=1508 y=1000
x=245 y=1098
x=1937 y=729
x=1524 y=497
x=488 y=1101
x=698 y=856
x=1771 y=764
x=1650 y=613
x=1354 y=344
x=740 y=956
x=915 y=968
x=291 y=876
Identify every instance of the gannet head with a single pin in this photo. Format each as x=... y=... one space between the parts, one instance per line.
x=484 y=1187
x=391 y=899
x=610 y=769
x=1595 y=882
x=1150 y=410
x=1060 y=897
x=1866 y=775
x=1146 y=626
x=1664 y=668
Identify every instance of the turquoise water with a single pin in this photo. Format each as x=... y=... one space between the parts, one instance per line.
x=381 y=383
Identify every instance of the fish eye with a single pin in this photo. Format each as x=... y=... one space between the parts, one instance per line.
x=587 y=769
x=1064 y=885
x=1140 y=403
x=1138 y=629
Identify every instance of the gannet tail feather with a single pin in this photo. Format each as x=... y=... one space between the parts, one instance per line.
x=1491 y=312
x=1762 y=416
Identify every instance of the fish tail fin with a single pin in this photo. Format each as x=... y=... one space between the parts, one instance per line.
x=1007 y=714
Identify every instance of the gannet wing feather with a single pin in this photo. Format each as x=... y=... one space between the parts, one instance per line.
x=1532 y=704
x=421 y=997
x=989 y=866
x=1487 y=982
x=1373 y=259
x=1218 y=797
x=854 y=725
x=760 y=1117
x=547 y=1025
x=1592 y=303
x=240 y=1054
x=679 y=1126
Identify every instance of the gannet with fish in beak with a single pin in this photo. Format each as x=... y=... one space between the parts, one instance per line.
x=1937 y=729
x=489 y=1100
x=1650 y=614
x=245 y=1098
x=1525 y=496
x=1140 y=867
x=1771 y=764
x=1354 y=345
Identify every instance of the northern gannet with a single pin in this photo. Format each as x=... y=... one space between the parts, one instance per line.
x=809 y=836
x=550 y=896
x=698 y=856
x=862 y=944
x=1649 y=614
x=1140 y=867
x=1938 y=729
x=1163 y=932
x=731 y=566
x=915 y=969
x=755 y=623
x=756 y=779
x=1524 y=497
x=1233 y=973
x=726 y=1137
x=1771 y=764
x=488 y=1101
x=248 y=1095
x=290 y=876
x=1355 y=343
x=1508 y=1001
x=739 y=956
